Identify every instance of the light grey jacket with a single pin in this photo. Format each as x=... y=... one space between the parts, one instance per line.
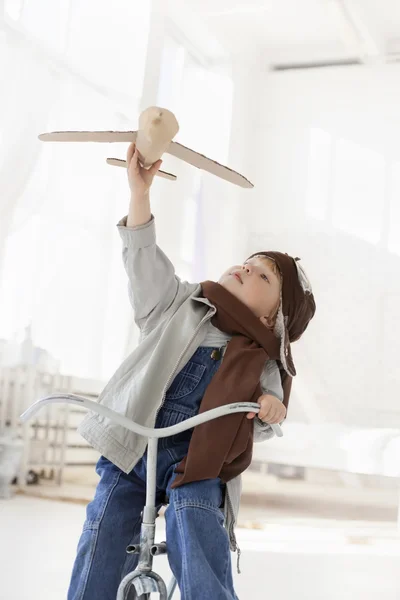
x=172 y=318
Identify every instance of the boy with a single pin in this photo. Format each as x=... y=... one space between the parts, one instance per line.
x=201 y=346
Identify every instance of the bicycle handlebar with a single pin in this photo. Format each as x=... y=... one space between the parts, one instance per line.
x=148 y=432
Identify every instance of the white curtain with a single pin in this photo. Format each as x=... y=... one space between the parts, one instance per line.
x=62 y=270
x=29 y=89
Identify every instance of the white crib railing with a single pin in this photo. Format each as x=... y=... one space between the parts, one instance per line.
x=45 y=438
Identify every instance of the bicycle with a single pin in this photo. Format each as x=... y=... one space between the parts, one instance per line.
x=143 y=579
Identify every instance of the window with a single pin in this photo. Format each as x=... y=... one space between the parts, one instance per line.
x=394 y=224
x=201 y=98
x=13 y=9
x=358 y=190
x=107 y=42
x=319 y=173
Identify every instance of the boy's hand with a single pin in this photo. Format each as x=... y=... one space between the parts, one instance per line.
x=272 y=410
x=140 y=179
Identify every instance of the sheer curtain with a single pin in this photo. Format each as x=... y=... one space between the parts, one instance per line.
x=29 y=89
x=62 y=270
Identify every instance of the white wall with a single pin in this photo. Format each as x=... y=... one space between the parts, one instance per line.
x=331 y=196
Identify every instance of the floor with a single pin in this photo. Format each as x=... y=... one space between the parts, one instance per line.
x=300 y=558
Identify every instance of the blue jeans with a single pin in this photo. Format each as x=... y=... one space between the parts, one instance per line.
x=198 y=544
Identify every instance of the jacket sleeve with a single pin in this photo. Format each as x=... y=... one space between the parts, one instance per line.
x=153 y=285
x=270 y=384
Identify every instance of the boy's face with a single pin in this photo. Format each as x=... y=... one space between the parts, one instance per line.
x=256 y=285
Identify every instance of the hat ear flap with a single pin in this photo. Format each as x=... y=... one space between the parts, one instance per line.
x=304 y=281
x=281 y=332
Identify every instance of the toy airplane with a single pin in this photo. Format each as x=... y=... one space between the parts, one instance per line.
x=157 y=128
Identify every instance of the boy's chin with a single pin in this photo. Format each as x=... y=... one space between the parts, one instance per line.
x=227 y=284
x=231 y=287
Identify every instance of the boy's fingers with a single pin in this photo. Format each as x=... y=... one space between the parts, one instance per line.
x=251 y=415
x=267 y=416
x=155 y=167
x=129 y=154
x=272 y=414
x=135 y=159
x=263 y=413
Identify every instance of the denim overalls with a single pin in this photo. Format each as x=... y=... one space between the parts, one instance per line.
x=198 y=544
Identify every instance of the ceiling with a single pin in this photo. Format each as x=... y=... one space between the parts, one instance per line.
x=302 y=32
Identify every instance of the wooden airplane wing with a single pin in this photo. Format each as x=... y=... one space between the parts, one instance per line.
x=207 y=164
x=89 y=136
x=174 y=148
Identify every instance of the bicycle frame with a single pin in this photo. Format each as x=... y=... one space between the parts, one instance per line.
x=144 y=579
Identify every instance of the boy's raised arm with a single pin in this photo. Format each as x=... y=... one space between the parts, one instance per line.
x=140 y=181
x=153 y=284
